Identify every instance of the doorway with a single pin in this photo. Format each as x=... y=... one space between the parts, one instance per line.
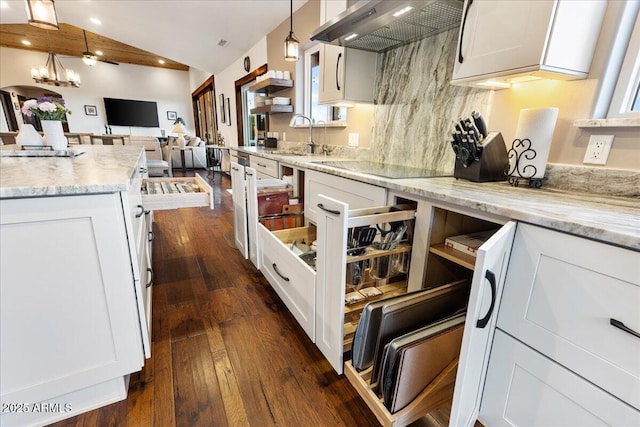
x=243 y=115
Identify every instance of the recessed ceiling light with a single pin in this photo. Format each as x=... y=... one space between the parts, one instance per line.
x=95 y=21
x=26 y=42
x=99 y=53
x=161 y=61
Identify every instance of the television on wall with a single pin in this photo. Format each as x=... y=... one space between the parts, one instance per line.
x=127 y=112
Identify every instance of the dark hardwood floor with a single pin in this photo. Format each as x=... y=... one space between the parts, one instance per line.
x=225 y=351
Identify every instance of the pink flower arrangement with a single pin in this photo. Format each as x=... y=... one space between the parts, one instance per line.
x=46 y=109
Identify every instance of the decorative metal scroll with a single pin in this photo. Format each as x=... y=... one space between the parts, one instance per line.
x=518 y=168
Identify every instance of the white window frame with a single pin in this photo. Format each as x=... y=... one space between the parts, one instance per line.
x=628 y=82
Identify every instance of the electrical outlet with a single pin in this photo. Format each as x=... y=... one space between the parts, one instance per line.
x=598 y=149
x=354 y=139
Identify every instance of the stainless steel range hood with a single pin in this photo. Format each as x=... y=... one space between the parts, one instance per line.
x=377 y=28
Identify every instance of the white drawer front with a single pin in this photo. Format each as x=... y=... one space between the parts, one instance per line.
x=356 y=194
x=268 y=167
x=524 y=388
x=155 y=197
x=279 y=263
x=561 y=292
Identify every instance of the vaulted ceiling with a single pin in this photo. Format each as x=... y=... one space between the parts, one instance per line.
x=182 y=32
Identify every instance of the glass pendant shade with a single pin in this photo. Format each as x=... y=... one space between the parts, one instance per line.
x=90 y=60
x=42 y=14
x=291 y=48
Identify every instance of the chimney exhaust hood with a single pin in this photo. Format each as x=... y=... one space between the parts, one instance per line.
x=371 y=24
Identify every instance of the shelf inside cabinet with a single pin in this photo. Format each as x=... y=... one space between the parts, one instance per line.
x=270 y=86
x=272 y=109
x=376 y=253
x=454 y=255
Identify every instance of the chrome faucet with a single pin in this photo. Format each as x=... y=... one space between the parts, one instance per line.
x=310 y=144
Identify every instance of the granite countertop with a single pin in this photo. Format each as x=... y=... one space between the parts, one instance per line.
x=610 y=219
x=101 y=169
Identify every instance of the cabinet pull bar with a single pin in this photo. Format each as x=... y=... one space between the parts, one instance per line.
x=260 y=164
x=481 y=323
x=150 y=282
x=337 y=65
x=275 y=268
x=464 y=23
x=321 y=206
x=235 y=169
x=152 y=236
x=618 y=324
x=248 y=173
x=139 y=214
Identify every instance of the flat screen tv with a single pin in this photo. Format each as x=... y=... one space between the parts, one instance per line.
x=127 y=112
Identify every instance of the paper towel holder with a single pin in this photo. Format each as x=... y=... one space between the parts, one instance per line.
x=521 y=150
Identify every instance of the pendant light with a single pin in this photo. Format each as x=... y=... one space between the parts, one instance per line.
x=291 y=42
x=42 y=14
x=53 y=73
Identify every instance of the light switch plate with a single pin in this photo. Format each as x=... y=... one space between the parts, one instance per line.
x=598 y=149
x=354 y=139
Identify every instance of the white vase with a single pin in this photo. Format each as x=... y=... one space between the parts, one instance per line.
x=28 y=136
x=54 y=134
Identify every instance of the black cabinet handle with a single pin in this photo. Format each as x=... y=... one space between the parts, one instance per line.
x=260 y=164
x=150 y=282
x=139 y=214
x=618 y=324
x=248 y=173
x=492 y=281
x=152 y=236
x=337 y=66
x=275 y=268
x=235 y=169
x=464 y=23
x=321 y=206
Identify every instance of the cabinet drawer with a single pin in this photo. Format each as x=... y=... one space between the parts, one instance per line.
x=292 y=279
x=355 y=194
x=164 y=193
x=561 y=292
x=524 y=388
x=266 y=166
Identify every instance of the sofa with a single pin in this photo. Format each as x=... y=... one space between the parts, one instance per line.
x=193 y=145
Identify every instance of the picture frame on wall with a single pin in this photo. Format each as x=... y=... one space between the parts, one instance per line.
x=172 y=115
x=90 y=110
x=228 y=112
x=223 y=110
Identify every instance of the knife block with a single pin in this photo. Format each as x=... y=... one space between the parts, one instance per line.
x=492 y=164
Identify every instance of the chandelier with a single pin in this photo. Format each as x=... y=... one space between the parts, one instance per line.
x=53 y=73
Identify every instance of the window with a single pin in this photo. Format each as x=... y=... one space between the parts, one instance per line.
x=625 y=102
x=312 y=87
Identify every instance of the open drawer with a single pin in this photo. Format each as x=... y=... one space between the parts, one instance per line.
x=293 y=279
x=173 y=193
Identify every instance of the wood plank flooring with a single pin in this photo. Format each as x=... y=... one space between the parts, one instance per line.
x=225 y=350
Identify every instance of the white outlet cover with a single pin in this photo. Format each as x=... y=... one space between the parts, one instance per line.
x=354 y=139
x=598 y=149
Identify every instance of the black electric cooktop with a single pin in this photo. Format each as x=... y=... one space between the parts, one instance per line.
x=382 y=169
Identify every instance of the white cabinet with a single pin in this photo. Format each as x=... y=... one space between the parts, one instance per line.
x=525 y=388
x=353 y=193
x=69 y=322
x=265 y=168
x=562 y=294
x=238 y=188
x=500 y=40
x=346 y=75
x=330 y=8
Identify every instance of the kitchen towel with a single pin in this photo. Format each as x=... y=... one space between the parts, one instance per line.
x=530 y=151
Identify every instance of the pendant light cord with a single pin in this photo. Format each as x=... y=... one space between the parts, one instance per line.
x=290 y=16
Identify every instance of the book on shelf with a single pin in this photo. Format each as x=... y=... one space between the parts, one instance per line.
x=469 y=243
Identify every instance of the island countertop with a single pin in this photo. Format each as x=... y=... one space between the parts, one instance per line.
x=100 y=169
x=613 y=220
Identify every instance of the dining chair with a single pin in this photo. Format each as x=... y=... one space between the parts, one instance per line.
x=106 y=139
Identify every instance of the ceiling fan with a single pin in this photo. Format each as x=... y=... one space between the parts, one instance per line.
x=90 y=58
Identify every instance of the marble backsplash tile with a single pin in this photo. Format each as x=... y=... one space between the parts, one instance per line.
x=417 y=107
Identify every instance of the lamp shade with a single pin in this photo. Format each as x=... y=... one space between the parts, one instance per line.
x=179 y=129
x=42 y=14
x=291 y=48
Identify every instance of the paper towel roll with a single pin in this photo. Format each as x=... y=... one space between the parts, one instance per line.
x=535 y=125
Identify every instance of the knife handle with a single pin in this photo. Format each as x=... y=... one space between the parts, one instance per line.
x=480 y=124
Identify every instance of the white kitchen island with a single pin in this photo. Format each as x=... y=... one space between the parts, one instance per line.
x=75 y=279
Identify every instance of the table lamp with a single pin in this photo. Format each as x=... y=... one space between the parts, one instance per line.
x=180 y=130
